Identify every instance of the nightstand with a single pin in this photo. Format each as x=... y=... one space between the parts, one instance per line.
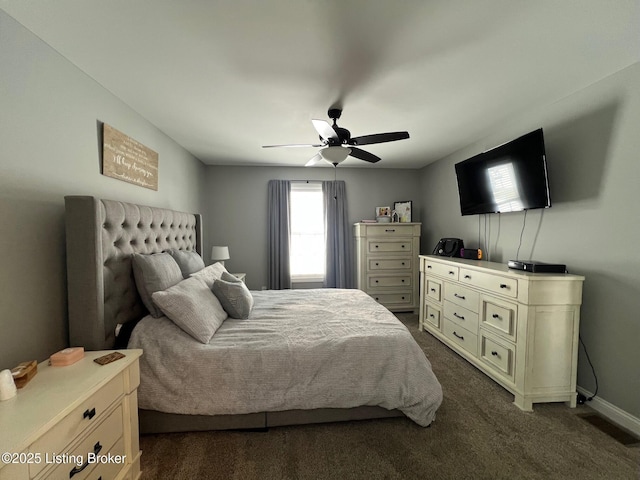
x=241 y=276
x=67 y=416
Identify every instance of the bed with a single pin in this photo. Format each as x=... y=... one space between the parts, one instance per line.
x=301 y=357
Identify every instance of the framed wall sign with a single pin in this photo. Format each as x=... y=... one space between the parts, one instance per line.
x=403 y=210
x=128 y=160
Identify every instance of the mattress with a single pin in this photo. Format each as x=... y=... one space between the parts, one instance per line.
x=299 y=349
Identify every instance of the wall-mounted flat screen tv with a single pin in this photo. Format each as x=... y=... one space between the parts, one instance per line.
x=508 y=178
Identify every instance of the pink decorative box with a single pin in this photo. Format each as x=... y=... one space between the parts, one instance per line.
x=67 y=356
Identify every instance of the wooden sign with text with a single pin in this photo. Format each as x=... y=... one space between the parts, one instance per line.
x=128 y=160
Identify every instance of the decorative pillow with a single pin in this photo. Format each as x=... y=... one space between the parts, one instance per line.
x=211 y=273
x=235 y=298
x=154 y=273
x=227 y=277
x=191 y=306
x=189 y=262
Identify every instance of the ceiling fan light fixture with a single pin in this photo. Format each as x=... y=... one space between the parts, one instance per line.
x=335 y=155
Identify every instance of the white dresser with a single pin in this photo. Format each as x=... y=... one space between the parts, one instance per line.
x=519 y=328
x=387 y=263
x=75 y=422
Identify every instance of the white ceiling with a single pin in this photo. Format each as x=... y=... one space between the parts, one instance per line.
x=224 y=77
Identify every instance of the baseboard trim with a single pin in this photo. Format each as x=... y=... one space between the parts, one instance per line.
x=613 y=413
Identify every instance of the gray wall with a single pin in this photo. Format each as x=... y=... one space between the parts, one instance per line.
x=593 y=154
x=48 y=149
x=238 y=210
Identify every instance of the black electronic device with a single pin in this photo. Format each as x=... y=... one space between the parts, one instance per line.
x=471 y=253
x=507 y=178
x=536 y=267
x=449 y=247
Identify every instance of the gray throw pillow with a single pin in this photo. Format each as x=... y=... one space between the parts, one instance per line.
x=227 y=277
x=192 y=307
x=189 y=262
x=235 y=298
x=154 y=273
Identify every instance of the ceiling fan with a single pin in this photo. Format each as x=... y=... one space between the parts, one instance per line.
x=337 y=143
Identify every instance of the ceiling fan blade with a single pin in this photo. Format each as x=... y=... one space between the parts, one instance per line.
x=379 y=138
x=294 y=145
x=315 y=159
x=325 y=130
x=362 y=155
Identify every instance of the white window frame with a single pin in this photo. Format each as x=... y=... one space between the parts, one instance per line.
x=307 y=187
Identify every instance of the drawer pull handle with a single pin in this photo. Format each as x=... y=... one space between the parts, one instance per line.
x=461 y=297
x=429 y=267
x=468 y=276
x=402 y=298
x=433 y=290
x=459 y=336
x=495 y=315
x=377 y=264
x=390 y=230
x=402 y=263
x=403 y=280
x=377 y=246
x=504 y=285
x=432 y=315
x=96 y=450
x=459 y=316
x=495 y=354
x=376 y=281
x=89 y=413
x=451 y=272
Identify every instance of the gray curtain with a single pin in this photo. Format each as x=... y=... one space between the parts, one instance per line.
x=279 y=234
x=339 y=270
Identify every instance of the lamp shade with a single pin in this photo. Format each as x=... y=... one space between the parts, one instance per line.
x=219 y=253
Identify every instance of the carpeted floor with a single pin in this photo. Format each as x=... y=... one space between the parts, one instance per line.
x=478 y=434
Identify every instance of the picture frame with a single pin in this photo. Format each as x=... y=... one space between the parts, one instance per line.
x=383 y=212
x=403 y=210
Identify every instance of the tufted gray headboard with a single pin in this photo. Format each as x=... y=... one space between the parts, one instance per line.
x=101 y=236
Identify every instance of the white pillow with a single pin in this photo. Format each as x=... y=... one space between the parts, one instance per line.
x=193 y=307
x=211 y=273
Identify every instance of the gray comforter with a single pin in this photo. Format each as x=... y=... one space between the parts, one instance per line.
x=299 y=349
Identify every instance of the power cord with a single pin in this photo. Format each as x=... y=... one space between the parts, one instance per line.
x=524 y=223
x=582 y=398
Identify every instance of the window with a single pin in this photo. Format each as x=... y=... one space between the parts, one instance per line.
x=307 y=232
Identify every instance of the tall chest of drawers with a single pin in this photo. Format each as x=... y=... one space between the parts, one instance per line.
x=76 y=422
x=519 y=328
x=387 y=263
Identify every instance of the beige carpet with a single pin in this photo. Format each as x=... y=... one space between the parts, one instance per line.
x=478 y=434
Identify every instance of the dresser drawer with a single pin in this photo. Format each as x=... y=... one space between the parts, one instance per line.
x=461 y=336
x=440 y=269
x=395 y=299
x=499 y=317
x=99 y=442
x=490 y=282
x=469 y=299
x=460 y=315
x=389 y=246
x=89 y=413
x=434 y=290
x=380 y=281
x=376 y=264
x=391 y=230
x=432 y=315
x=498 y=355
